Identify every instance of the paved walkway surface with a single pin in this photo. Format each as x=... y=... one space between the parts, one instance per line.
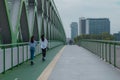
x=76 y=63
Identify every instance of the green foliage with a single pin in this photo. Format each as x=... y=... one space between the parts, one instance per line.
x=103 y=36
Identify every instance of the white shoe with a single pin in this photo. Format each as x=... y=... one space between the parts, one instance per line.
x=44 y=57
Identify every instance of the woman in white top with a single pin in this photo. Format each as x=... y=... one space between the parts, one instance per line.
x=32 y=44
x=43 y=46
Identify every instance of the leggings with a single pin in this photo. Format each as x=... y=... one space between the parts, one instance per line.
x=44 y=52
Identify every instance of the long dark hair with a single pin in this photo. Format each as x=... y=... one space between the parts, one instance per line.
x=32 y=39
x=42 y=37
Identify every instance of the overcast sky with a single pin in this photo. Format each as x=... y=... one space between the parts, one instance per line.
x=72 y=10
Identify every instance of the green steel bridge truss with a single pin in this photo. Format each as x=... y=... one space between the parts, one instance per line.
x=20 y=19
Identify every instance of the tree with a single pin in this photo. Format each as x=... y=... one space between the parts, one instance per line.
x=102 y=36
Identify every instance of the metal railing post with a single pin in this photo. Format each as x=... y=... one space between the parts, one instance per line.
x=115 y=55
x=23 y=52
x=18 y=54
x=110 y=53
x=11 y=57
x=27 y=51
x=100 y=50
x=103 y=51
x=4 y=60
x=106 y=52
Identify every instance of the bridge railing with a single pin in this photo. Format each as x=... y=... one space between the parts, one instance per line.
x=12 y=55
x=109 y=51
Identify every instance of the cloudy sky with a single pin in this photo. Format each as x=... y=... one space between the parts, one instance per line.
x=72 y=10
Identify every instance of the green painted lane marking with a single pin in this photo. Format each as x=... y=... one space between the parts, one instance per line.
x=28 y=72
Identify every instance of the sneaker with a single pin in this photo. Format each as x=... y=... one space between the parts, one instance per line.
x=32 y=63
x=43 y=59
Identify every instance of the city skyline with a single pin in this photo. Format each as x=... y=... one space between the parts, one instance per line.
x=71 y=11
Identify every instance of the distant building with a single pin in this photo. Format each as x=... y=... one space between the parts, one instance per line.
x=74 y=30
x=82 y=26
x=98 y=25
x=94 y=25
x=117 y=36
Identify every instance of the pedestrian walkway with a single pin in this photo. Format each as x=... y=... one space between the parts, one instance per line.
x=71 y=63
x=76 y=63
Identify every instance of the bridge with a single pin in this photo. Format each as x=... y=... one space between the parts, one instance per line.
x=87 y=60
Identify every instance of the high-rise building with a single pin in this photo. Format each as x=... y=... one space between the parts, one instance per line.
x=97 y=25
x=74 y=30
x=94 y=25
x=82 y=26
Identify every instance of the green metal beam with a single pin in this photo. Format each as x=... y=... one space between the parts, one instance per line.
x=33 y=19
